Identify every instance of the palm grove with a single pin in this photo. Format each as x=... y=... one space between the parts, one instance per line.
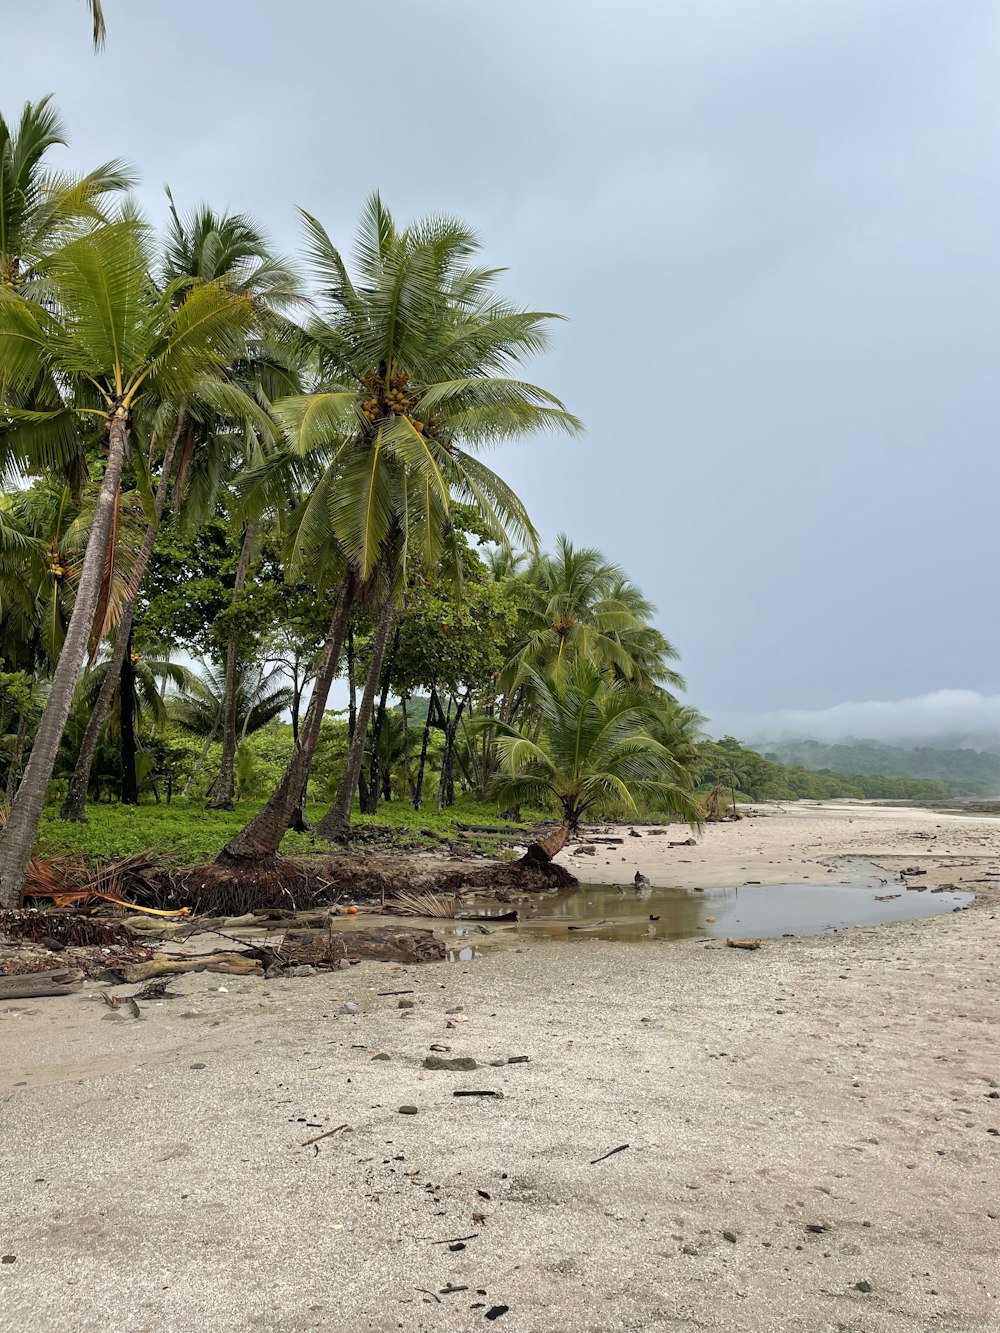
x=229 y=480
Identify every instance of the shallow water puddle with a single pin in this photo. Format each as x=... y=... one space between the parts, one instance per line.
x=601 y=911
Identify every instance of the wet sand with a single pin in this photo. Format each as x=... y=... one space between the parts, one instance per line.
x=800 y=1120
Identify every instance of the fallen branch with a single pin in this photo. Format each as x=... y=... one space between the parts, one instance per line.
x=30 y=984
x=325 y=1135
x=604 y=1156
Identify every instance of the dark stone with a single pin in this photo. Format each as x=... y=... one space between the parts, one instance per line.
x=863 y=1286
x=407 y=1004
x=496 y=1311
x=730 y=1236
x=197 y=1066
x=8 y=1258
x=381 y=1056
x=449 y=1062
x=407 y=1110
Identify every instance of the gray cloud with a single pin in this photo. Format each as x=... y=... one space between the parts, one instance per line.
x=772 y=225
x=945 y=717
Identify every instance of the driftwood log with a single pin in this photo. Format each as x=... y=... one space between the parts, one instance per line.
x=233 y=964
x=28 y=985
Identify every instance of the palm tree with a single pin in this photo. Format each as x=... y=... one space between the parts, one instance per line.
x=601 y=742
x=414 y=359
x=577 y=604
x=227 y=249
x=115 y=353
x=40 y=208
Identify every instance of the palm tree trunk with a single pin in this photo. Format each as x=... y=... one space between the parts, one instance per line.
x=126 y=710
x=17 y=839
x=336 y=823
x=542 y=850
x=74 y=807
x=261 y=838
x=225 y=783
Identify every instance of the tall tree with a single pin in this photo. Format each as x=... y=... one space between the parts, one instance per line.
x=229 y=250
x=114 y=351
x=414 y=356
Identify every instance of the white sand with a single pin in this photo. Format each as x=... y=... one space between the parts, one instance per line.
x=840 y=1082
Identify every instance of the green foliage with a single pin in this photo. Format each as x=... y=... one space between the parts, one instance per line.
x=953 y=772
x=760 y=778
x=600 y=743
x=188 y=832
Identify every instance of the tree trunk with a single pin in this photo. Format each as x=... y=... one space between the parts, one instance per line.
x=370 y=807
x=17 y=839
x=261 y=837
x=542 y=850
x=189 y=785
x=418 y=793
x=74 y=807
x=225 y=783
x=446 y=787
x=406 y=751
x=336 y=823
x=352 y=692
x=126 y=713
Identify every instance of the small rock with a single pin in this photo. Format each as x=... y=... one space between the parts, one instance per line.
x=199 y=1065
x=498 y=1063
x=730 y=1236
x=381 y=1056
x=407 y=1110
x=349 y=1007
x=689 y=1249
x=300 y=970
x=8 y=1258
x=407 y=1004
x=449 y=1062
x=456 y=1009
x=817 y=1228
x=862 y=1286
x=344 y=965
x=496 y=1311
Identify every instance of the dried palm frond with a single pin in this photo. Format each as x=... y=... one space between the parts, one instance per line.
x=422 y=904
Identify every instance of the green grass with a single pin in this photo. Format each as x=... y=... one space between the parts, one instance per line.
x=187 y=832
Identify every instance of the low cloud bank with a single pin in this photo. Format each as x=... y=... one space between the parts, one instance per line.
x=946 y=718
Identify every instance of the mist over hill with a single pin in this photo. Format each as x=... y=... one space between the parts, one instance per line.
x=963 y=771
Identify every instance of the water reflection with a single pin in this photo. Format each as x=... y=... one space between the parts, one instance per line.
x=601 y=911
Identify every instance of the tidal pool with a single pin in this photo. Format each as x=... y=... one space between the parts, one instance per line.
x=601 y=911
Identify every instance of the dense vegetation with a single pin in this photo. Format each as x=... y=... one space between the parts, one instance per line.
x=760 y=777
x=226 y=484
x=959 y=772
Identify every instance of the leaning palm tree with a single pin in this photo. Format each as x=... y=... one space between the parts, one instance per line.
x=228 y=250
x=116 y=353
x=601 y=742
x=415 y=356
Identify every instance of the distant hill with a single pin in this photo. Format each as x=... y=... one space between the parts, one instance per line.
x=963 y=772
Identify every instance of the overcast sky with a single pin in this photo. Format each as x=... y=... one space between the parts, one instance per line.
x=772 y=225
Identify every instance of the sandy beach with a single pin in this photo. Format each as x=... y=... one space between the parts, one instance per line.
x=812 y=1129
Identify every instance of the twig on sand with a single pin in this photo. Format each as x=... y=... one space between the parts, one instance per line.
x=325 y=1135
x=621 y=1148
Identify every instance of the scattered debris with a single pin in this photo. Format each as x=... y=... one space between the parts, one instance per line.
x=742 y=944
x=604 y=1156
x=326 y=1134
